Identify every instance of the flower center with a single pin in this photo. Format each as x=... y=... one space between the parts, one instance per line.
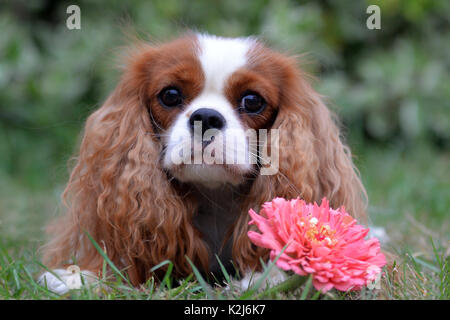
x=318 y=233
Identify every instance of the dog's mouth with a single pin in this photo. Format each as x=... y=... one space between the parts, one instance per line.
x=210 y=162
x=208 y=175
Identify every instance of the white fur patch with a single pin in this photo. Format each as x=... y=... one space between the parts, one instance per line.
x=220 y=57
x=274 y=277
x=62 y=280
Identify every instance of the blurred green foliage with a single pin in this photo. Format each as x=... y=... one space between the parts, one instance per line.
x=389 y=86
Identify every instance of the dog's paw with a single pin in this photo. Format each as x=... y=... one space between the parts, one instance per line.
x=62 y=280
x=250 y=279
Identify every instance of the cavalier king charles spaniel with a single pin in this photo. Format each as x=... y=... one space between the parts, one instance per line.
x=167 y=168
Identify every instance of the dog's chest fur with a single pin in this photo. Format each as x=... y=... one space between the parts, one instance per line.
x=217 y=210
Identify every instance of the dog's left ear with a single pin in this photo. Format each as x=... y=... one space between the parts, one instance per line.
x=338 y=178
x=313 y=161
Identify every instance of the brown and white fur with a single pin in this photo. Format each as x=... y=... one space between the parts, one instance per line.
x=143 y=209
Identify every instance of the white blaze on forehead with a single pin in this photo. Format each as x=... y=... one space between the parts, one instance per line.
x=220 y=57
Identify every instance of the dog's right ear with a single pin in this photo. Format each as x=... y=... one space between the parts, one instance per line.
x=118 y=192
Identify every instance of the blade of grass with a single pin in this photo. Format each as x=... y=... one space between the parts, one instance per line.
x=150 y=283
x=36 y=285
x=252 y=290
x=436 y=253
x=426 y=264
x=292 y=282
x=16 y=279
x=316 y=295
x=166 y=280
x=443 y=273
x=181 y=288
x=306 y=288
x=48 y=270
x=201 y=281
x=225 y=273
x=103 y=254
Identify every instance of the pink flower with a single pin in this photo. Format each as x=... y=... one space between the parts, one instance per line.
x=320 y=241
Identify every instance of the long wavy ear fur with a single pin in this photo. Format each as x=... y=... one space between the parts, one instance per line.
x=313 y=161
x=120 y=195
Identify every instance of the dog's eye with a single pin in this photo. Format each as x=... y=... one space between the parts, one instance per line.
x=170 y=97
x=252 y=103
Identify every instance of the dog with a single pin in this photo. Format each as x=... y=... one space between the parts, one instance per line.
x=149 y=187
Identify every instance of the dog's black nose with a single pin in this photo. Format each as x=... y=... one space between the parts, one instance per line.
x=210 y=119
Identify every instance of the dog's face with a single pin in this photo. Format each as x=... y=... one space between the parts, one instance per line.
x=208 y=98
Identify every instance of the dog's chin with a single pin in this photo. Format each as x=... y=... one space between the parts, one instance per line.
x=211 y=176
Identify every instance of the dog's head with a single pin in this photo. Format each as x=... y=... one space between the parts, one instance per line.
x=208 y=98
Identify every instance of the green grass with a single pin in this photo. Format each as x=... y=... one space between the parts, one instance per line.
x=409 y=196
